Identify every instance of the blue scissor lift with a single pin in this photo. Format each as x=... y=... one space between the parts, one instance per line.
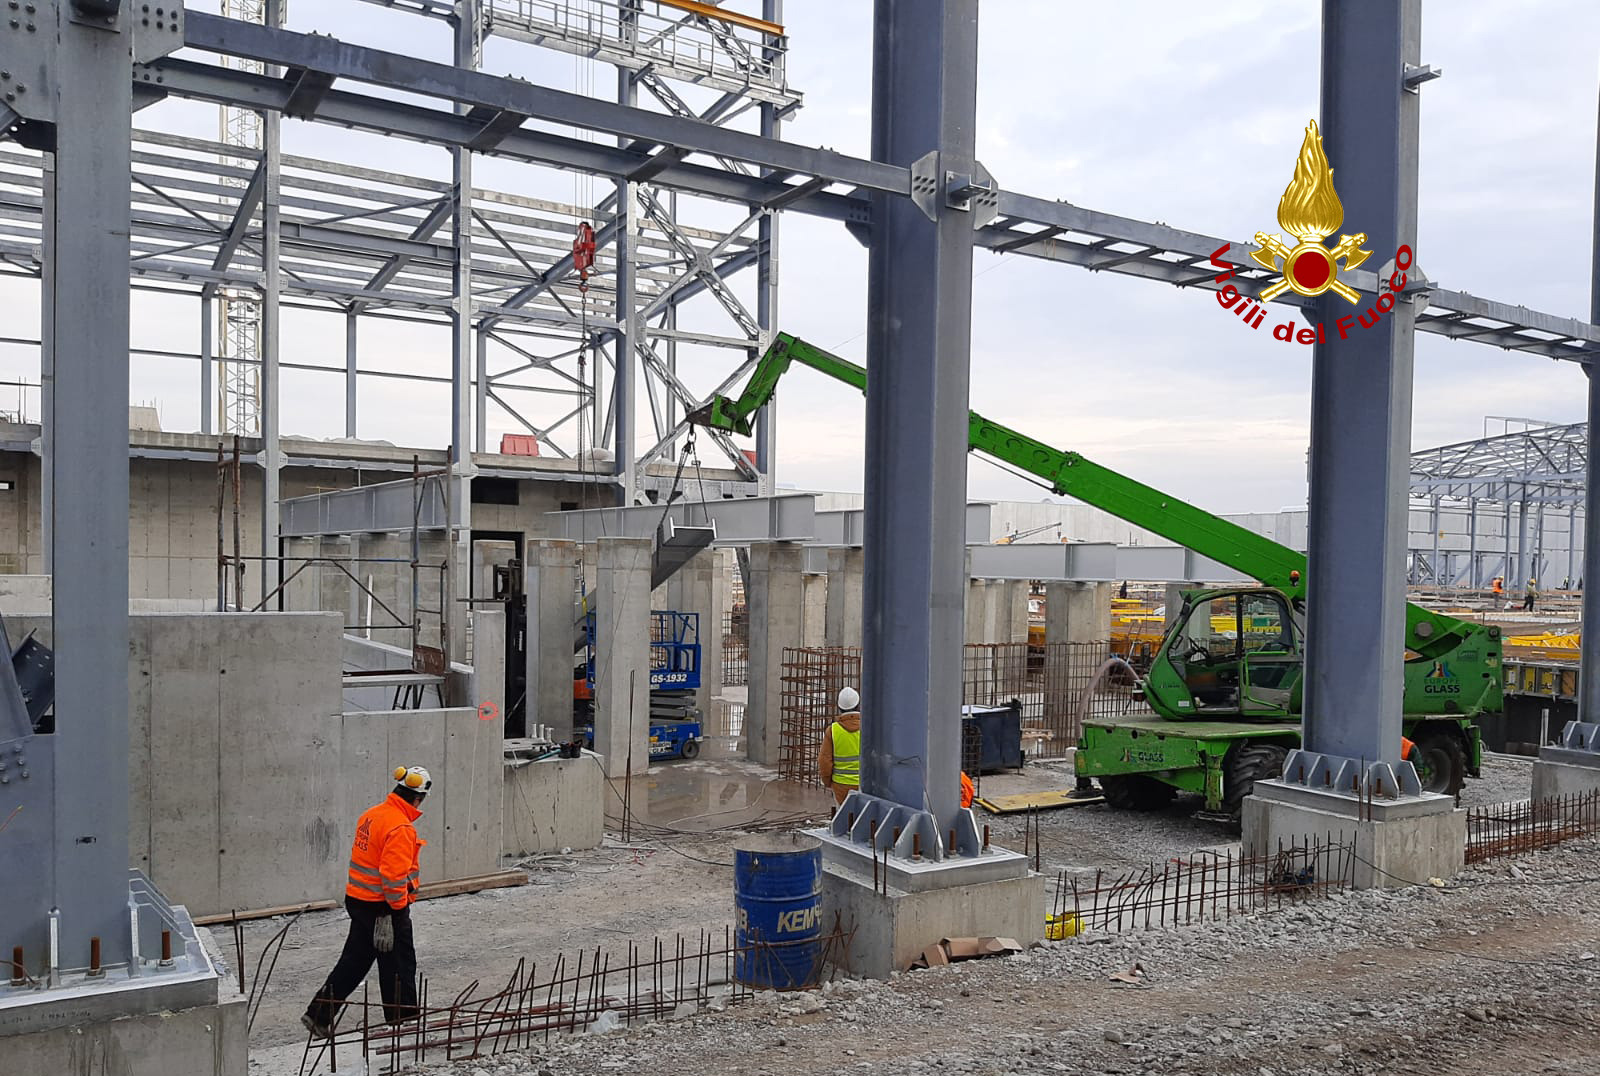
x=675 y=730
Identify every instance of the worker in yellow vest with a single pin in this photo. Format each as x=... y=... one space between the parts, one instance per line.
x=839 y=761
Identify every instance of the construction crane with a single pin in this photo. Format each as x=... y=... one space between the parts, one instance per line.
x=1226 y=682
x=1017 y=536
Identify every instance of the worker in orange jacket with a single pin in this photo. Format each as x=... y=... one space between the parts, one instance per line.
x=383 y=880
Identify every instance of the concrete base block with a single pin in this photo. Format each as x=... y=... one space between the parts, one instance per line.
x=1564 y=772
x=553 y=804
x=1396 y=844
x=892 y=930
x=206 y=1041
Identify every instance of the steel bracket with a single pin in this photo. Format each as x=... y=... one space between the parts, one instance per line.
x=973 y=192
x=1356 y=777
x=27 y=62
x=1416 y=75
x=1581 y=736
x=874 y=821
x=925 y=184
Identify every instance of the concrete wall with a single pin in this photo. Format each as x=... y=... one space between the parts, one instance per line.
x=845 y=567
x=462 y=815
x=553 y=804
x=172 y=550
x=814 y=609
x=622 y=655
x=247 y=776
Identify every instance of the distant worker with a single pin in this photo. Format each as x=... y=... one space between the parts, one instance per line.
x=1529 y=595
x=839 y=762
x=1497 y=586
x=1408 y=751
x=1566 y=582
x=1123 y=591
x=968 y=792
x=382 y=884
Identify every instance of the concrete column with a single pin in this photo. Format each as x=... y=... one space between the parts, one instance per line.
x=622 y=655
x=551 y=579
x=697 y=588
x=814 y=606
x=775 y=604
x=843 y=626
x=1011 y=611
x=1174 y=602
x=1077 y=612
x=977 y=611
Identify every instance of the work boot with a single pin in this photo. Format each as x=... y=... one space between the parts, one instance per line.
x=320 y=1031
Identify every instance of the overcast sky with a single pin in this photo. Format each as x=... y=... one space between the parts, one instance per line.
x=1186 y=113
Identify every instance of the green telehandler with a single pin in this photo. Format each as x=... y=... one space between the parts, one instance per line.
x=1225 y=684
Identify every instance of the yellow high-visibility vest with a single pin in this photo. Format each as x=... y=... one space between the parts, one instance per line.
x=846 y=755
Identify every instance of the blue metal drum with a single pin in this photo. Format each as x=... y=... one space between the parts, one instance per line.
x=777 y=895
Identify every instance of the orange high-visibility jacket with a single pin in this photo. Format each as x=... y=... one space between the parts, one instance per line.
x=384 y=855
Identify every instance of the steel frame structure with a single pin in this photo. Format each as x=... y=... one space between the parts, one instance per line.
x=924 y=202
x=1519 y=476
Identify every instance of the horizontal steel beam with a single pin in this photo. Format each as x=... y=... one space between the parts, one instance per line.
x=1170 y=255
x=443 y=127
x=328 y=56
x=846 y=526
x=381 y=507
x=787 y=518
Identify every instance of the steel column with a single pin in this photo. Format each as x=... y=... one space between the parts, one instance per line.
x=1361 y=397
x=352 y=324
x=1572 y=544
x=629 y=327
x=206 y=359
x=272 y=287
x=919 y=327
x=86 y=314
x=1472 y=543
x=767 y=291
x=1522 y=540
x=1589 y=637
x=1433 y=568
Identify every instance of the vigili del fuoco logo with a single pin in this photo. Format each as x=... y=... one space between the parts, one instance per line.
x=1310 y=211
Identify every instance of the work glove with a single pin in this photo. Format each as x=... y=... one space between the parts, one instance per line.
x=383 y=934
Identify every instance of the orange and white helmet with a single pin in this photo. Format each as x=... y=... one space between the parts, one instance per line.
x=415 y=778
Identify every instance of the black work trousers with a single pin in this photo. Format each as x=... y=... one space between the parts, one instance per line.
x=397 y=969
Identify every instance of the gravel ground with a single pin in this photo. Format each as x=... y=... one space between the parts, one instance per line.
x=1082 y=839
x=1495 y=972
x=1334 y=986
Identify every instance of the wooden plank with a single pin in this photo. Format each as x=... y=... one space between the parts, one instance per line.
x=431 y=891
x=1037 y=801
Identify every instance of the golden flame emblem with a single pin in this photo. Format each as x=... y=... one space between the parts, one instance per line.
x=1310 y=211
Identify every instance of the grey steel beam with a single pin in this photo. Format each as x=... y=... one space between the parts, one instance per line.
x=1589 y=637
x=767 y=283
x=624 y=396
x=497 y=123
x=271 y=383
x=207 y=362
x=306 y=91
x=382 y=507
x=86 y=317
x=790 y=517
x=435 y=126
x=352 y=327
x=1361 y=398
x=342 y=60
x=919 y=310
x=239 y=227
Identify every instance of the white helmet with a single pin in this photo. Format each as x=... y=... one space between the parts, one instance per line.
x=416 y=779
x=848 y=700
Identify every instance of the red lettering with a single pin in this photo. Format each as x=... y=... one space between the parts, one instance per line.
x=1397 y=286
x=1228 y=296
x=1344 y=329
x=1284 y=331
x=1404 y=252
x=1385 y=302
x=1365 y=324
x=1306 y=336
x=1218 y=253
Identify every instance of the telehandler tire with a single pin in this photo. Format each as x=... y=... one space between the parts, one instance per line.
x=1136 y=792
